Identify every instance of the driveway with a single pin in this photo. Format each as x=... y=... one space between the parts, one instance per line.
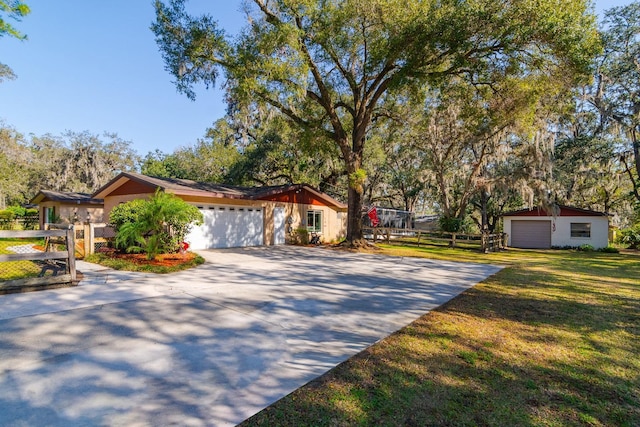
x=210 y=346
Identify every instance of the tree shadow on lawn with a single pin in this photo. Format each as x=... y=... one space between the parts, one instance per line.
x=526 y=347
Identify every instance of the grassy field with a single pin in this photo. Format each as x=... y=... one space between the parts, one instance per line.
x=18 y=269
x=551 y=340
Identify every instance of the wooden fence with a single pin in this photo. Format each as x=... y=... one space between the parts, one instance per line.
x=49 y=259
x=90 y=238
x=484 y=242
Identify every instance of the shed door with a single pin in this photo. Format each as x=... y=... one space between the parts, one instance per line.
x=278 y=226
x=531 y=234
x=228 y=227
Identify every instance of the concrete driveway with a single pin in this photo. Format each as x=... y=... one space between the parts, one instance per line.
x=210 y=346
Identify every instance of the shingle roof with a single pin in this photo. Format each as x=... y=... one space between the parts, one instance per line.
x=558 y=210
x=65 y=197
x=187 y=187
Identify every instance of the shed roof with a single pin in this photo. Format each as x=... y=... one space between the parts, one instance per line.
x=557 y=210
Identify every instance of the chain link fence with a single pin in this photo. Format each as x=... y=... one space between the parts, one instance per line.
x=103 y=238
x=35 y=258
x=10 y=270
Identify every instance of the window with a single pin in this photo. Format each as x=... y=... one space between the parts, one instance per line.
x=581 y=229
x=314 y=221
x=49 y=215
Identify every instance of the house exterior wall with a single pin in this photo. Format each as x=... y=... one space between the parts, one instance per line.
x=69 y=212
x=333 y=222
x=561 y=229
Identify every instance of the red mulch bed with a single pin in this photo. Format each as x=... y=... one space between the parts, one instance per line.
x=164 y=260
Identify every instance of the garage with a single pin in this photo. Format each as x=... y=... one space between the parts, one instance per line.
x=531 y=234
x=228 y=227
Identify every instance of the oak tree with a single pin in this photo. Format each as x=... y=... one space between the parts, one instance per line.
x=329 y=66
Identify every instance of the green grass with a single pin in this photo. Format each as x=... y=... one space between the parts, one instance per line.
x=551 y=340
x=18 y=269
x=128 y=265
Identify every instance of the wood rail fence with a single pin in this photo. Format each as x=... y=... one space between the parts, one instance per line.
x=49 y=259
x=485 y=242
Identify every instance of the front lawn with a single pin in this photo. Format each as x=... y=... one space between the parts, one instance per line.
x=18 y=269
x=553 y=340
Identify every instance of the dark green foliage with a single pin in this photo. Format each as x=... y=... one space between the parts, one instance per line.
x=631 y=237
x=126 y=213
x=154 y=226
x=451 y=225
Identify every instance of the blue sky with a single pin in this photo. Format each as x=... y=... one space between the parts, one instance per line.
x=94 y=65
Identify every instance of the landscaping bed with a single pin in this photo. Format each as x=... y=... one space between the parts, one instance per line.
x=162 y=263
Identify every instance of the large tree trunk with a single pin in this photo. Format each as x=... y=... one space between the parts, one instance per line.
x=357 y=178
x=354 y=218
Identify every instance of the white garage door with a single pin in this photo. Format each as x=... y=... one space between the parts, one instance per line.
x=531 y=234
x=228 y=227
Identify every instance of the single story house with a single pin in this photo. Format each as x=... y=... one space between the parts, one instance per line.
x=67 y=207
x=565 y=226
x=238 y=216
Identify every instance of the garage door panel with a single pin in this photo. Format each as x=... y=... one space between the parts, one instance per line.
x=531 y=234
x=228 y=227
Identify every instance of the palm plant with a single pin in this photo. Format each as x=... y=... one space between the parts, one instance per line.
x=159 y=225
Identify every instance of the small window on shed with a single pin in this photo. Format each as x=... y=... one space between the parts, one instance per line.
x=581 y=229
x=314 y=221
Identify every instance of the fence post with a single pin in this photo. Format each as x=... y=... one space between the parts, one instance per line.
x=71 y=249
x=485 y=243
x=419 y=233
x=388 y=235
x=86 y=232
x=453 y=240
x=92 y=238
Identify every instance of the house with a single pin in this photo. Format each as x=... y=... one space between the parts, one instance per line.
x=238 y=216
x=67 y=207
x=565 y=226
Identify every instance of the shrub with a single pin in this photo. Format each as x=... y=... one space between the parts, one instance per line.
x=154 y=226
x=631 y=237
x=586 y=248
x=126 y=213
x=609 y=250
x=300 y=236
x=451 y=225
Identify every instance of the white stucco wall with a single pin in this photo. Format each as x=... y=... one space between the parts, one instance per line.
x=561 y=229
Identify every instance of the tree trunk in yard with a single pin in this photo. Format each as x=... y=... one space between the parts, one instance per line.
x=354 y=217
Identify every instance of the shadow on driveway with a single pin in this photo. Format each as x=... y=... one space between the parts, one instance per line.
x=208 y=346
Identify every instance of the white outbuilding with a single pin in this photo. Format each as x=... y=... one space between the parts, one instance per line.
x=562 y=227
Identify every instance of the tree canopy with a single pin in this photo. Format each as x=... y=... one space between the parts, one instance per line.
x=331 y=67
x=618 y=92
x=74 y=161
x=11 y=10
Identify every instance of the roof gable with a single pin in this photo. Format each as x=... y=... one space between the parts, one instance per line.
x=297 y=193
x=135 y=183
